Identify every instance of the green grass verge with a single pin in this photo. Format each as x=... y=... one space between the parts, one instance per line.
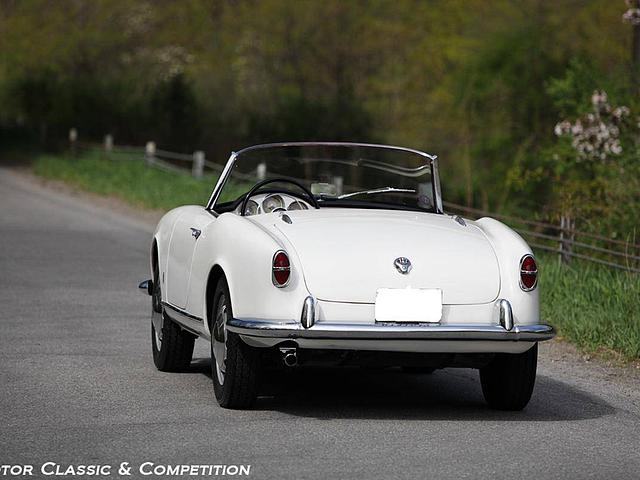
x=127 y=177
x=594 y=307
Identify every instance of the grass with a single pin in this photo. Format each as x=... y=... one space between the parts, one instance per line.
x=592 y=306
x=595 y=307
x=126 y=177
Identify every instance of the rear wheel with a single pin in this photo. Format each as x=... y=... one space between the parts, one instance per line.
x=172 y=346
x=235 y=366
x=507 y=382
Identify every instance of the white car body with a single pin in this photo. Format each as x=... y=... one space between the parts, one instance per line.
x=244 y=246
x=340 y=258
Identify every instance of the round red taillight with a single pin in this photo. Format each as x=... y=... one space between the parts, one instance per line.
x=281 y=269
x=528 y=273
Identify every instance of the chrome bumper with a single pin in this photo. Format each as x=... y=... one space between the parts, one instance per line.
x=389 y=331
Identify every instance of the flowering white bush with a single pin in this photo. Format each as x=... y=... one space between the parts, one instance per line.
x=632 y=15
x=596 y=136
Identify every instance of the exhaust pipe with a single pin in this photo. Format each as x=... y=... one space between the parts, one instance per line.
x=289 y=356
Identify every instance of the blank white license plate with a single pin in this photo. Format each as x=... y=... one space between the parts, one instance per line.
x=408 y=305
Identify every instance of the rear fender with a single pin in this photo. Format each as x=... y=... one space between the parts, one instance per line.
x=162 y=238
x=245 y=253
x=510 y=248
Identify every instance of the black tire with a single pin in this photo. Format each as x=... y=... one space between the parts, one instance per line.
x=419 y=370
x=238 y=388
x=173 y=349
x=508 y=381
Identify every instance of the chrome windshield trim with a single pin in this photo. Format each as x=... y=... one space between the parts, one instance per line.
x=335 y=144
x=390 y=331
x=437 y=192
x=221 y=181
x=234 y=155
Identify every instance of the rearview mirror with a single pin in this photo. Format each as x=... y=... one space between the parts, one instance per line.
x=324 y=189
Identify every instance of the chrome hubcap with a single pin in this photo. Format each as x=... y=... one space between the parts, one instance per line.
x=219 y=339
x=156 y=316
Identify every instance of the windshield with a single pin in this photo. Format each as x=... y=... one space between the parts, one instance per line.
x=338 y=175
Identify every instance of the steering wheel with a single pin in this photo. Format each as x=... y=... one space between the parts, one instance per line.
x=261 y=184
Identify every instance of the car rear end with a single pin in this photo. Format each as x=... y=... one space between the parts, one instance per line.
x=400 y=282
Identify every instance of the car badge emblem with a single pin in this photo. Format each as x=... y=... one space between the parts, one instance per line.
x=195 y=233
x=403 y=265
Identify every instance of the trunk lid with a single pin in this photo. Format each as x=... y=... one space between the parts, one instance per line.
x=348 y=254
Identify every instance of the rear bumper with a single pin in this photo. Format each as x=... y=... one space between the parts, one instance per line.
x=267 y=333
x=392 y=337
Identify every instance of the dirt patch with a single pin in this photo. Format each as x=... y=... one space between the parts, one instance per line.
x=561 y=356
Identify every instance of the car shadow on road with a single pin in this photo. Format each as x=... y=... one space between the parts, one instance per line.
x=448 y=394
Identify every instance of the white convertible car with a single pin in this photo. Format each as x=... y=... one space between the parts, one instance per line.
x=341 y=254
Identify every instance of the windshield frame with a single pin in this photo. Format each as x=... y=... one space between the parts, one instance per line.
x=430 y=160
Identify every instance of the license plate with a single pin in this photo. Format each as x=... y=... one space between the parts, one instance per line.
x=408 y=305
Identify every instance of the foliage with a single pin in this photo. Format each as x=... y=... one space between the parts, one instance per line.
x=595 y=160
x=594 y=307
x=481 y=84
x=596 y=136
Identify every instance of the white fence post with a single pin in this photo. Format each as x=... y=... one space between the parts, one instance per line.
x=261 y=171
x=73 y=141
x=338 y=181
x=197 y=169
x=567 y=236
x=572 y=235
x=561 y=244
x=150 y=152
x=108 y=143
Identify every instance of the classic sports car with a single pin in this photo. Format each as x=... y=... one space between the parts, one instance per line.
x=341 y=254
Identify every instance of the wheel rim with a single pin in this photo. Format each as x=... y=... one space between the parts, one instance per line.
x=219 y=339
x=157 y=315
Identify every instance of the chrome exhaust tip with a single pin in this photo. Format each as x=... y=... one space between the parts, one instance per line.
x=289 y=356
x=290 y=359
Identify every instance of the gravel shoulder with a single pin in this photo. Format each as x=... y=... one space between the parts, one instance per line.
x=112 y=203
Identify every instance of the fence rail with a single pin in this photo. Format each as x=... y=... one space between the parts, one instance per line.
x=563 y=238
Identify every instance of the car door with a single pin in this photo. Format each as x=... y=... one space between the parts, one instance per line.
x=186 y=231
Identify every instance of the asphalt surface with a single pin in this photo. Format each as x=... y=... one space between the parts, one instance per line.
x=77 y=382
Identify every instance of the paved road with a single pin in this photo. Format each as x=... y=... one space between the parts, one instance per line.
x=77 y=384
